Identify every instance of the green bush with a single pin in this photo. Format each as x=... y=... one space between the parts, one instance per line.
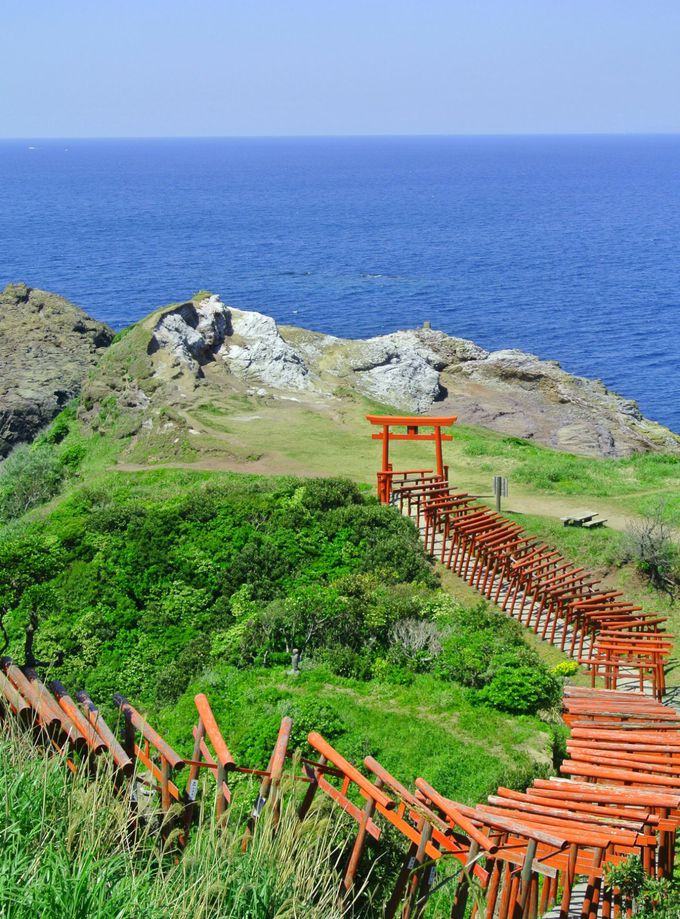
x=520 y=690
x=659 y=898
x=486 y=651
x=565 y=669
x=344 y=661
x=28 y=477
x=251 y=567
x=326 y=494
x=628 y=876
x=71 y=457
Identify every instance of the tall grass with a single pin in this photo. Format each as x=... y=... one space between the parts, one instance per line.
x=67 y=852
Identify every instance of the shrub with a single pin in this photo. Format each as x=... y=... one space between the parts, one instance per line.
x=565 y=669
x=649 y=542
x=386 y=672
x=475 y=640
x=417 y=641
x=29 y=476
x=327 y=494
x=659 y=898
x=521 y=690
x=627 y=875
x=71 y=457
x=344 y=661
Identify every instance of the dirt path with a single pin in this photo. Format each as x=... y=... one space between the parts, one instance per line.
x=558 y=506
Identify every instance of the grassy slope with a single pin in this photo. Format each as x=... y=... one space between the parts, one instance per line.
x=65 y=857
x=427 y=728
x=215 y=431
x=233 y=431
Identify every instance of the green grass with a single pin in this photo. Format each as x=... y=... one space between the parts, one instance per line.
x=430 y=728
x=552 y=472
x=67 y=853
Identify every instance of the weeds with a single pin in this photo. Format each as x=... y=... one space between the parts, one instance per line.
x=66 y=852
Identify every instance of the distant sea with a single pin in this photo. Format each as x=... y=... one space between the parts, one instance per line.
x=568 y=247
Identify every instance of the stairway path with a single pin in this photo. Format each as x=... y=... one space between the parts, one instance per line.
x=529 y=614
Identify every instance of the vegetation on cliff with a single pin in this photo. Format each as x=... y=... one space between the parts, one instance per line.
x=157 y=586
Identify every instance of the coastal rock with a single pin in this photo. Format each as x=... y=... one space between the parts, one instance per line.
x=47 y=346
x=400 y=370
x=206 y=353
x=519 y=394
x=255 y=350
x=192 y=333
x=249 y=343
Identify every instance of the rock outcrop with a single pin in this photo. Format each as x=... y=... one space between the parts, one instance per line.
x=47 y=346
x=248 y=343
x=415 y=371
x=207 y=352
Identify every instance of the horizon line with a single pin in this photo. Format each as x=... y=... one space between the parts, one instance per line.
x=342 y=136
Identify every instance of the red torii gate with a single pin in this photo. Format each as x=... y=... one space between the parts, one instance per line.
x=412 y=423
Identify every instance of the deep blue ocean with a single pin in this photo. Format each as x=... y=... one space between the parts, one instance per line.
x=565 y=246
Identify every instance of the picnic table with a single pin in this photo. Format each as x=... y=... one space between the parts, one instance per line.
x=586 y=519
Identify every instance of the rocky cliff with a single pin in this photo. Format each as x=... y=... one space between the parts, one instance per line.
x=208 y=347
x=47 y=346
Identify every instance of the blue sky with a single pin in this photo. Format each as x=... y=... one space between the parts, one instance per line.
x=90 y=68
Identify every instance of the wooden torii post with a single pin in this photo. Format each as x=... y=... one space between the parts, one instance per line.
x=412 y=425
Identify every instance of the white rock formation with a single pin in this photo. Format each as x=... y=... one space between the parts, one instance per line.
x=400 y=370
x=255 y=350
x=417 y=371
x=192 y=334
x=249 y=343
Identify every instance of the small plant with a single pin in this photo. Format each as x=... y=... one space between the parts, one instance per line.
x=628 y=876
x=565 y=669
x=417 y=641
x=521 y=690
x=658 y=899
x=649 y=543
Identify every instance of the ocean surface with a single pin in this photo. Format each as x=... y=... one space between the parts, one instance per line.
x=568 y=247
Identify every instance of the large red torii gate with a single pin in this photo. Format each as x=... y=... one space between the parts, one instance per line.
x=412 y=423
